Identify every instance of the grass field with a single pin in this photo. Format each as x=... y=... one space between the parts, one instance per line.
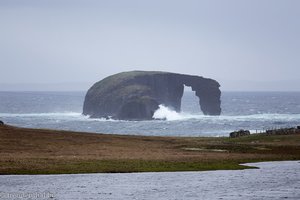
x=39 y=151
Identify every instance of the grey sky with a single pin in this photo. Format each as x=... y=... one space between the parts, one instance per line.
x=244 y=44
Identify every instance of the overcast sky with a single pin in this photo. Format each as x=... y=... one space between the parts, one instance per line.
x=243 y=44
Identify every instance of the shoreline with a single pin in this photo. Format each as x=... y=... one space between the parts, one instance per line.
x=43 y=151
x=251 y=165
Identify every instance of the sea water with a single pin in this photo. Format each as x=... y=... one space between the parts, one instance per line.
x=272 y=181
x=255 y=111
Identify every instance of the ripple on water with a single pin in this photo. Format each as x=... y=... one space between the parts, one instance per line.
x=273 y=180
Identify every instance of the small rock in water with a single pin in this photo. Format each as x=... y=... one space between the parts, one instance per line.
x=1 y=122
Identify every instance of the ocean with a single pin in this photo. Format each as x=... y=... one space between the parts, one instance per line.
x=254 y=111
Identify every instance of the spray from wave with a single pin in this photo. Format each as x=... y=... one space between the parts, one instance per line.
x=165 y=113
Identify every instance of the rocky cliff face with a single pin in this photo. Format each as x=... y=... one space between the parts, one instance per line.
x=136 y=95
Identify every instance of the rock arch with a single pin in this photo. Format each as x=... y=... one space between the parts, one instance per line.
x=136 y=95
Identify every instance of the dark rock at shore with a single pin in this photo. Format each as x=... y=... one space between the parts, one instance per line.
x=1 y=123
x=239 y=133
x=283 y=131
x=136 y=95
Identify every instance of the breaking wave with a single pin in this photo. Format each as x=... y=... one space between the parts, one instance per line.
x=66 y=116
x=51 y=115
x=166 y=113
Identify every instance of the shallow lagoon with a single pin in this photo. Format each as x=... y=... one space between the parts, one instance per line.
x=273 y=180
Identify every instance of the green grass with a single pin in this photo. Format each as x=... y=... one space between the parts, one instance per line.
x=39 y=151
x=121 y=166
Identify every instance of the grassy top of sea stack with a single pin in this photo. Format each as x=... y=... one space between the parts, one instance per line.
x=40 y=151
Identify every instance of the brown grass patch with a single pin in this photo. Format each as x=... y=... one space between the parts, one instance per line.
x=29 y=151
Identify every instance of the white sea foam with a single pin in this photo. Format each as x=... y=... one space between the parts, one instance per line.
x=169 y=114
x=48 y=115
x=55 y=115
x=264 y=117
x=166 y=113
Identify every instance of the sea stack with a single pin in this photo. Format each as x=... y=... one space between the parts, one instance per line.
x=136 y=95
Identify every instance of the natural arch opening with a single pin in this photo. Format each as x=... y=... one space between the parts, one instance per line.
x=189 y=101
